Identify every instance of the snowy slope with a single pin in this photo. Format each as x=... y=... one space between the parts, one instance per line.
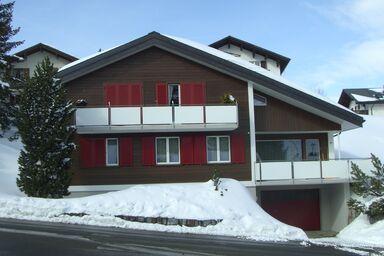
x=361 y=142
x=9 y=153
x=361 y=231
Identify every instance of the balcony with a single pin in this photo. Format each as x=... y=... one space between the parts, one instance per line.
x=308 y=172
x=95 y=120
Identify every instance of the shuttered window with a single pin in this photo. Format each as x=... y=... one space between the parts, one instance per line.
x=192 y=93
x=218 y=149
x=237 y=149
x=148 y=150
x=125 y=151
x=123 y=94
x=92 y=152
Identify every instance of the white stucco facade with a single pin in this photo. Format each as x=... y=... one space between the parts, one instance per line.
x=247 y=55
x=32 y=60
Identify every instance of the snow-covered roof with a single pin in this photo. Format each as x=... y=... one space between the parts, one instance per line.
x=215 y=59
x=363 y=98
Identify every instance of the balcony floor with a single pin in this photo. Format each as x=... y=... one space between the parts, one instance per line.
x=101 y=129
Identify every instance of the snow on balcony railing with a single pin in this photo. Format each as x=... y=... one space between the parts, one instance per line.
x=322 y=171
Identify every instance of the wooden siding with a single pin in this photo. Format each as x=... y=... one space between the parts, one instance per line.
x=149 y=67
x=322 y=137
x=279 y=116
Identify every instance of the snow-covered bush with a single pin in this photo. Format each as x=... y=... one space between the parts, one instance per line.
x=371 y=188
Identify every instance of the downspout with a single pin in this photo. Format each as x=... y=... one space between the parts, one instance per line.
x=252 y=131
x=338 y=146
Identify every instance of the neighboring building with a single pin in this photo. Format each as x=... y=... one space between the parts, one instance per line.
x=29 y=58
x=33 y=55
x=365 y=101
x=154 y=114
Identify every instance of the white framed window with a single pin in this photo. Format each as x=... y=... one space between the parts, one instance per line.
x=168 y=150
x=218 y=149
x=174 y=94
x=112 y=152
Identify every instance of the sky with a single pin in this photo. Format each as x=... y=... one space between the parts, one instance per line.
x=332 y=44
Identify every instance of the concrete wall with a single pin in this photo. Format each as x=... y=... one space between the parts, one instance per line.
x=333 y=206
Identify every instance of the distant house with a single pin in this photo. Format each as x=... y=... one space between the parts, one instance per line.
x=24 y=67
x=365 y=101
x=155 y=114
x=33 y=55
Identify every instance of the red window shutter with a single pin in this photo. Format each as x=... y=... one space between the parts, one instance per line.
x=92 y=152
x=110 y=94
x=162 y=94
x=85 y=152
x=123 y=94
x=237 y=149
x=192 y=93
x=125 y=151
x=199 y=149
x=148 y=150
x=198 y=93
x=186 y=148
x=99 y=152
x=185 y=94
x=135 y=95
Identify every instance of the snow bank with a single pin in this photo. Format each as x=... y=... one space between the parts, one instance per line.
x=240 y=214
x=9 y=153
x=361 y=142
x=362 y=232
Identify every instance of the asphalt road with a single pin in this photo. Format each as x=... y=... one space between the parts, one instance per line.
x=41 y=238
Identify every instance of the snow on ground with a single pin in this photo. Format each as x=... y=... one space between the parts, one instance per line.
x=361 y=142
x=360 y=234
x=198 y=201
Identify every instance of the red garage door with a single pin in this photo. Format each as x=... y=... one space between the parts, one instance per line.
x=299 y=208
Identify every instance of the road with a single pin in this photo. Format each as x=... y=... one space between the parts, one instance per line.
x=42 y=238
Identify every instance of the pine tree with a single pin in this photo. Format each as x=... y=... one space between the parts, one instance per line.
x=43 y=123
x=6 y=32
x=370 y=187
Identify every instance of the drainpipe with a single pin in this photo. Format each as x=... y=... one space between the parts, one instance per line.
x=338 y=146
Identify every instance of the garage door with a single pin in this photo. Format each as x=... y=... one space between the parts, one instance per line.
x=299 y=208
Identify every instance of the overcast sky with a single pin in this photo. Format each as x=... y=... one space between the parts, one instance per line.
x=332 y=44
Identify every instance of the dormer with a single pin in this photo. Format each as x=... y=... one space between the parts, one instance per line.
x=254 y=54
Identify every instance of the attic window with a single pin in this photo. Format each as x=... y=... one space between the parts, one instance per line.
x=259 y=101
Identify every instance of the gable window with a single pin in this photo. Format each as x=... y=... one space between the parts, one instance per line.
x=174 y=94
x=167 y=150
x=259 y=100
x=218 y=149
x=112 y=152
x=21 y=73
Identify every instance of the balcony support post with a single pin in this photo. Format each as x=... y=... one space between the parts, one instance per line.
x=252 y=130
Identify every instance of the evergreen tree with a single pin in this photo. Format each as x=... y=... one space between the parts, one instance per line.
x=6 y=32
x=43 y=123
x=370 y=187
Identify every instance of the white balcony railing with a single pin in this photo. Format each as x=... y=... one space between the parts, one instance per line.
x=156 y=118
x=329 y=171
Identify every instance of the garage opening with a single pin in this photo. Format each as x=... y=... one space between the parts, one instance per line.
x=299 y=208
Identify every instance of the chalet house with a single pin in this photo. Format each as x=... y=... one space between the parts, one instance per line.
x=364 y=101
x=24 y=67
x=35 y=54
x=152 y=111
